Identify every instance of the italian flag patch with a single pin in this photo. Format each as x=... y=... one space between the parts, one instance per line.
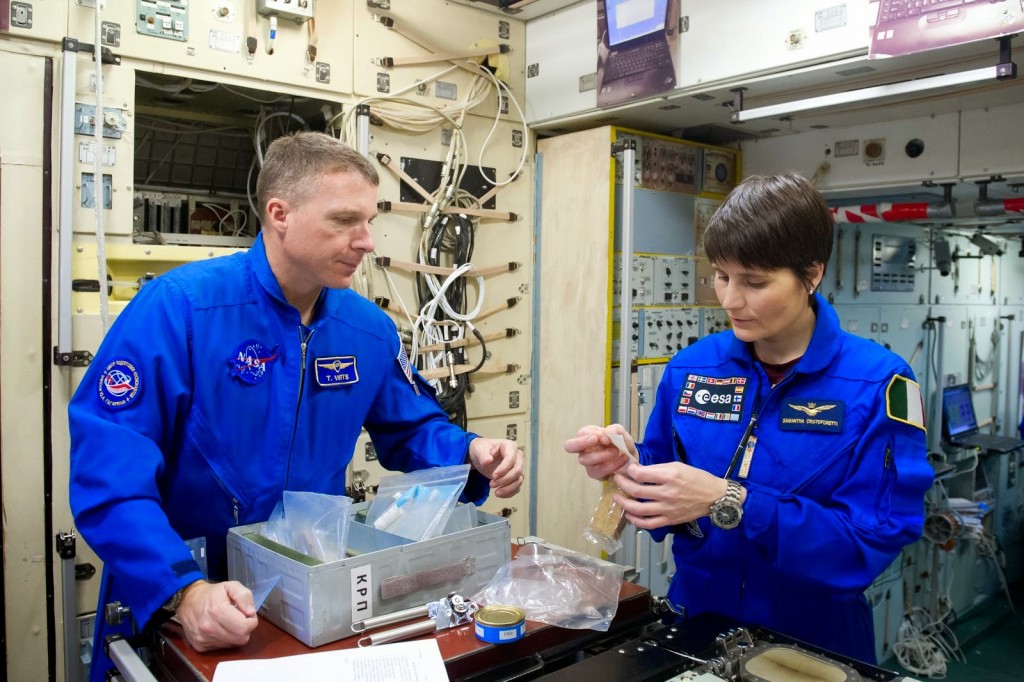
x=903 y=402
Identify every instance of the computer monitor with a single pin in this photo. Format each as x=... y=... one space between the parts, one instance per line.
x=629 y=19
x=958 y=411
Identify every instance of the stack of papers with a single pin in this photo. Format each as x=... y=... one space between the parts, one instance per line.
x=416 y=661
x=969 y=512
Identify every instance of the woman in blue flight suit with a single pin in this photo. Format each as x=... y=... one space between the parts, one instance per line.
x=786 y=455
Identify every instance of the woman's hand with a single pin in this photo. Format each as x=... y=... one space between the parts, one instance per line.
x=598 y=453
x=667 y=494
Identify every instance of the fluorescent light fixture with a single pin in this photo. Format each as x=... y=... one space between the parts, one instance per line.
x=947 y=80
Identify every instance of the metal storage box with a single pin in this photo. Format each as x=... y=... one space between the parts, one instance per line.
x=384 y=573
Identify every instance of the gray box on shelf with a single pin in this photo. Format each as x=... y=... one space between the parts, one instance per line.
x=317 y=604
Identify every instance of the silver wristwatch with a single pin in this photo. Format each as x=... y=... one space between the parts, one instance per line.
x=172 y=604
x=727 y=511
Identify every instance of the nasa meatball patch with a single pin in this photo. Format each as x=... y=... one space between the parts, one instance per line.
x=119 y=384
x=251 y=360
x=712 y=398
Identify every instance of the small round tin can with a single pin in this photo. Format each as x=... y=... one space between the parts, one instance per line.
x=499 y=624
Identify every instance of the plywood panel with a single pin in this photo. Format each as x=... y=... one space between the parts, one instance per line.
x=21 y=401
x=573 y=313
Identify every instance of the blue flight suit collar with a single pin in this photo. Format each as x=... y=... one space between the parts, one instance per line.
x=822 y=349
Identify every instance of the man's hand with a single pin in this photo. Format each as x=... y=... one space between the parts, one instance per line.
x=217 y=615
x=499 y=460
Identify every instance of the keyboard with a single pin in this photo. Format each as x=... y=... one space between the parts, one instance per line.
x=650 y=56
x=935 y=10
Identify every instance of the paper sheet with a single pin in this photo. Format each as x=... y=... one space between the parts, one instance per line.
x=417 y=661
x=620 y=442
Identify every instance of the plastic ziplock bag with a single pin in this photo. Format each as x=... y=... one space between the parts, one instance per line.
x=608 y=519
x=311 y=523
x=557 y=586
x=417 y=505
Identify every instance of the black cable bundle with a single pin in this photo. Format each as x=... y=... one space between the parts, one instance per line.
x=453 y=237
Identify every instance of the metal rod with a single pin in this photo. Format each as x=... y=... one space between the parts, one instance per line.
x=935 y=433
x=66 y=186
x=396 y=617
x=626 y=295
x=128 y=662
x=69 y=601
x=398 y=634
x=363 y=128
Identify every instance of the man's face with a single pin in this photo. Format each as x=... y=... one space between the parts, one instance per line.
x=329 y=233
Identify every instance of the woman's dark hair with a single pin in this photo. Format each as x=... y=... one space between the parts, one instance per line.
x=770 y=223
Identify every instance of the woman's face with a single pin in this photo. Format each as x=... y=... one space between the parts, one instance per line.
x=768 y=306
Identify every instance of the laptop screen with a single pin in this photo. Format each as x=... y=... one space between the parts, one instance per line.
x=958 y=410
x=629 y=19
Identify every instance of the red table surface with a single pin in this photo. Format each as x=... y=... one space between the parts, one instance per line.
x=462 y=652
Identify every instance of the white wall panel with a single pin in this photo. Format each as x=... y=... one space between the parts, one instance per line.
x=217 y=33
x=841 y=157
x=990 y=142
x=561 y=50
x=422 y=29
x=40 y=19
x=719 y=43
x=726 y=41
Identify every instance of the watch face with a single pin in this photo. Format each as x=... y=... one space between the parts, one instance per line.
x=727 y=515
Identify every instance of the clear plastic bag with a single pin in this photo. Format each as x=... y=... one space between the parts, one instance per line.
x=557 y=586
x=313 y=524
x=417 y=505
x=608 y=519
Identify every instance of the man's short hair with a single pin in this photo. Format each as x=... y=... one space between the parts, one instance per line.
x=771 y=223
x=295 y=164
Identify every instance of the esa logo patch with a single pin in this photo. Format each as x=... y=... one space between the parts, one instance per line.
x=251 y=360
x=119 y=384
x=712 y=398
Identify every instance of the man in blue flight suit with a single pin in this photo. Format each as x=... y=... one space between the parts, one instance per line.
x=226 y=382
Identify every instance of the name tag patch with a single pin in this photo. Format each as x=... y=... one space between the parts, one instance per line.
x=712 y=398
x=812 y=415
x=336 y=371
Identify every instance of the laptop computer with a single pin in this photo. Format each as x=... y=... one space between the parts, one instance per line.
x=906 y=26
x=960 y=423
x=639 y=61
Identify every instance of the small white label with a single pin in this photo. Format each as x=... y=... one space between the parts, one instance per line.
x=225 y=42
x=362 y=593
x=830 y=18
x=847 y=148
x=87 y=153
x=443 y=90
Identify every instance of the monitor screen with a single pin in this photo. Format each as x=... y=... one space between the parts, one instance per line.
x=629 y=19
x=958 y=410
